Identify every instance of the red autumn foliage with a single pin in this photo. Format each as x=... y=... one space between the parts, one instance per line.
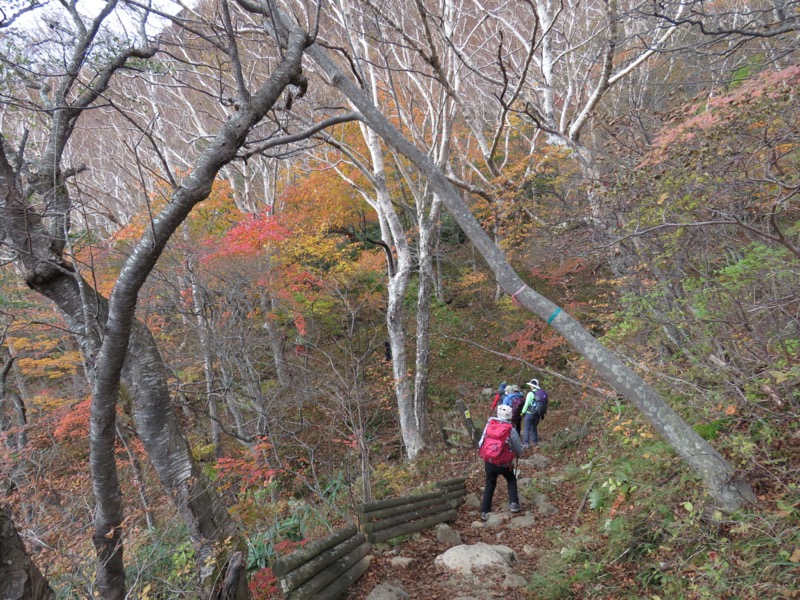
x=251 y=235
x=697 y=118
x=75 y=422
x=245 y=473
x=263 y=585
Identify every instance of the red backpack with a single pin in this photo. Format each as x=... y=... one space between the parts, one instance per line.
x=495 y=448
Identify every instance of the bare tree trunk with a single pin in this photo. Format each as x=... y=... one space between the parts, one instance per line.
x=128 y=350
x=253 y=385
x=366 y=473
x=19 y=398
x=411 y=433
x=428 y=234
x=411 y=424
x=728 y=489
x=20 y=579
x=206 y=516
x=233 y=406
x=47 y=272
x=276 y=344
x=439 y=277
x=421 y=376
x=19 y=405
x=199 y=310
x=138 y=474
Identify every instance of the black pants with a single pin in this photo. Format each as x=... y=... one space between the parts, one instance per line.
x=492 y=471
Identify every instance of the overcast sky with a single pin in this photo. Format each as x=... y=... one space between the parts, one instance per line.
x=122 y=20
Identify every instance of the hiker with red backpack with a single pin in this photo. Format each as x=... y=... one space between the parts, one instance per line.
x=499 y=446
x=533 y=411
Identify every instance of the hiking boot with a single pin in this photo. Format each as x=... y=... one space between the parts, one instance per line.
x=515 y=507
x=484 y=516
x=525 y=446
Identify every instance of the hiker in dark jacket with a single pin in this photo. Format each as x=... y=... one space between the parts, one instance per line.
x=499 y=446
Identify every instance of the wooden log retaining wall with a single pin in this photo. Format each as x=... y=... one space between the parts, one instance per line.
x=454 y=489
x=385 y=519
x=325 y=568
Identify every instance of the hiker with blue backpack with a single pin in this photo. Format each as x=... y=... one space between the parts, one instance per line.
x=498 y=447
x=533 y=412
x=515 y=399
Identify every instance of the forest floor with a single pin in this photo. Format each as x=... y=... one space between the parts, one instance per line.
x=422 y=579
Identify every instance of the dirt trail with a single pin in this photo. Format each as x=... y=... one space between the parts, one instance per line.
x=422 y=580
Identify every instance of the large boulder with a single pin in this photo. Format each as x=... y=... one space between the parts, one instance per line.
x=467 y=558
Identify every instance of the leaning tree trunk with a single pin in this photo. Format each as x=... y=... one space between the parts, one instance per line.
x=730 y=491
x=122 y=332
x=20 y=579
x=146 y=376
x=128 y=350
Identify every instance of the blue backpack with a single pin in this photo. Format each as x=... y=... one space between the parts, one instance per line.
x=516 y=401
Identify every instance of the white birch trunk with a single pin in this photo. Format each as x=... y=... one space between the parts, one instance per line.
x=203 y=332
x=412 y=425
x=276 y=344
x=721 y=481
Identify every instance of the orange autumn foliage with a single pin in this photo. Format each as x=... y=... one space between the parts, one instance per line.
x=74 y=424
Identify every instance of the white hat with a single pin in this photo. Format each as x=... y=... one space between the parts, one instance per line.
x=504 y=412
x=534 y=383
